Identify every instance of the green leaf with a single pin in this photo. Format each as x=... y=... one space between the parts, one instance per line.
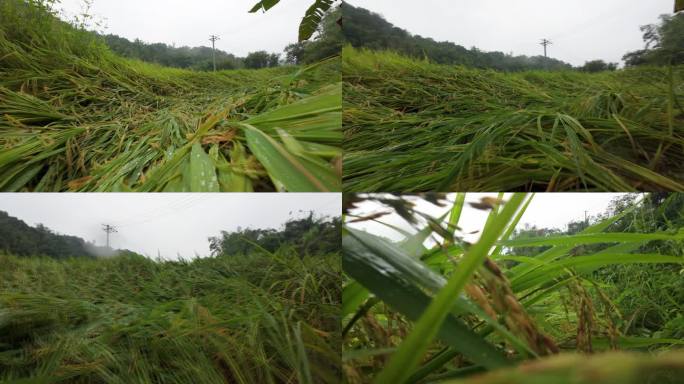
x=455 y=213
x=580 y=239
x=390 y=285
x=633 y=342
x=413 y=245
x=353 y=295
x=202 y=172
x=587 y=264
x=559 y=251
x=312 y=18
x=283 y=166
x=412 y=349
x=232 y=177
x=314 y=118
x=264 y=4
x=419 y=275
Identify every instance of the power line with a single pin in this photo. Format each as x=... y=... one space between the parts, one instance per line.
x=183 y=205
x=213 y=39
x=545 y=43
x=152 y=212
x=108 y=229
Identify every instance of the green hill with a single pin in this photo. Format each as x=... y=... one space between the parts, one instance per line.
x=366 y=29
x=19 y=238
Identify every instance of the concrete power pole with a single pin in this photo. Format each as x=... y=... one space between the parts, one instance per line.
x=545 y=43
x=213 y=39
x=108 y=229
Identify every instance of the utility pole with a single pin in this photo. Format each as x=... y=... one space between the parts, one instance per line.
x=213 y=39
x=545 y=43
x=108 y=229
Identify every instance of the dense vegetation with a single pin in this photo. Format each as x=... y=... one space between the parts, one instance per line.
x=74 y=116
x=198 y=58
x=308 y=235
x=365 y=29
x=517 y=304
x=425 y=116
x=413 y=125
x=664 y=43
x=254 y=317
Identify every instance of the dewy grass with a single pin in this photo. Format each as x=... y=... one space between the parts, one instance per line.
x=258 y=318
x=411 y=125
x=75 y=117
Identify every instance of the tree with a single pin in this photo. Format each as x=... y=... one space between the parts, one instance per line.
x=273 y=60
x=664 y=43
x=179 y=57
x=598 y=66
x=258 y=59
x=294 y=52
x=308 y=235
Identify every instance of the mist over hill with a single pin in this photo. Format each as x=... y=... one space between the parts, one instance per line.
x=20 y=239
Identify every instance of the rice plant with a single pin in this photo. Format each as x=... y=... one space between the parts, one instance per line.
x=414 y=126
x=489 y=313
x=76 y=117
x=258 y=318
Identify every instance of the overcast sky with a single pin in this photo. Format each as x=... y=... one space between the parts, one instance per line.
x=190 y=23
x=171 y=223
x=580 y=30
x=547 y=210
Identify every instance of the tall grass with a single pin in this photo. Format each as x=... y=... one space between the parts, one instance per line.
x=249 y=319
x=413 y=314
x=75 y=117
x=412 y=126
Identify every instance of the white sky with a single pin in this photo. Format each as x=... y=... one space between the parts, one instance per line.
x=547 y=210
x=173 y=223
x=190 y=23
x=580 y=30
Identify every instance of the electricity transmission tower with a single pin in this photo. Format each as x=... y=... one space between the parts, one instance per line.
x=213 y=39
x=108 y=229
x=545 y=43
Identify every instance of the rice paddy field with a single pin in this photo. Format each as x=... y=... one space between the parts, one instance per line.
x=260 y=318
x=76 y=117
x=599 y=304
x=414 y=126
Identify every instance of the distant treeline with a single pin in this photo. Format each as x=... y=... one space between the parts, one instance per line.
x=327 y=43
x=306 y=236
x=197 y=58
x=20 y=239
x=365 y=29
